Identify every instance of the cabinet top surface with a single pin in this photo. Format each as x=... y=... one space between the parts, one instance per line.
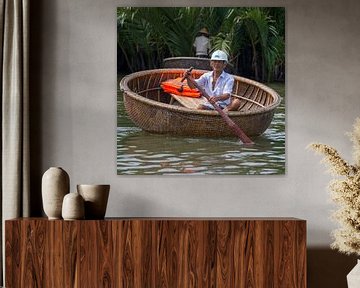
x=174 y=219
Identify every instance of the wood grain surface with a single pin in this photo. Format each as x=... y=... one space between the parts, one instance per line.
x=149 y=252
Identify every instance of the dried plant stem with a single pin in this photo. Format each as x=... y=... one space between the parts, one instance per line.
x=345 y=192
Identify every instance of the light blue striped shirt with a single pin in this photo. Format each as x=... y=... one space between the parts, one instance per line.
x=224 y=85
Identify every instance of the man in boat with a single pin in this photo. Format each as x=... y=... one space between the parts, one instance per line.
x=217 y=84
x=202 y=44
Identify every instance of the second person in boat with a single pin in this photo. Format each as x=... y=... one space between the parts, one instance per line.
x=217 y=83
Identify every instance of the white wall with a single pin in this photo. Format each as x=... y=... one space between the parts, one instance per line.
x=77 y=113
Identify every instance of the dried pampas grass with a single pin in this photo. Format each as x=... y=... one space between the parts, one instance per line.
x=345 y=192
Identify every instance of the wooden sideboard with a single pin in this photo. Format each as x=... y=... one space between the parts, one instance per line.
x=156 y=252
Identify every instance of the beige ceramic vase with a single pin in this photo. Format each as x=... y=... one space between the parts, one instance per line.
x=96 y=198
x=55 y=185
x=73 y=207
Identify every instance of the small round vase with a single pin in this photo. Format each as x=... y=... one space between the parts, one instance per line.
x=96 y=198
x=73 y=207
x=55 y=185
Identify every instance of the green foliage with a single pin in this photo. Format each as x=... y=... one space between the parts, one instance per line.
x=148 y=35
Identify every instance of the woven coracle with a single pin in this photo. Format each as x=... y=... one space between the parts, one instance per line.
x=196 y=62
x=155 y=111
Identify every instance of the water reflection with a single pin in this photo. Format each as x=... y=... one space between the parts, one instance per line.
x=142 y=153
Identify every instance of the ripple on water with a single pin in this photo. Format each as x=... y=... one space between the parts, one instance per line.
x=142 y=153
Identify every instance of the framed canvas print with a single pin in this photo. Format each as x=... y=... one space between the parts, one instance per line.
x=201 y=91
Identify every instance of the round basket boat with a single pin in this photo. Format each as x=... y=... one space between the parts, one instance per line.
x=155 y=111
x=196 y=62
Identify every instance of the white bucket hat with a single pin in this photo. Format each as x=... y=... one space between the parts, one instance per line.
x=219 y=55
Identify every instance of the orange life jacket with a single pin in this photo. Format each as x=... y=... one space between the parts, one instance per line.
x=175 y=86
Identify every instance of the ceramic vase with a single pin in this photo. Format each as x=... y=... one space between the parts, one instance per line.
x=73 y=207
x=96 y=198
x=353 y=278
x=55 y=185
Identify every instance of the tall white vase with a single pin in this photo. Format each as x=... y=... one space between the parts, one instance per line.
x=55 y=185
x=353 y=278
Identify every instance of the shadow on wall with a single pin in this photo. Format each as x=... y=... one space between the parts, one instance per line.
x=328 y=268
x=139 y=207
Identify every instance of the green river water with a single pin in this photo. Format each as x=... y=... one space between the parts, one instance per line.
x=142 y=153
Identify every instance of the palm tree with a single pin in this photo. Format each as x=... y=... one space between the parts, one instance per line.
x=240 y=26
x=147 y=35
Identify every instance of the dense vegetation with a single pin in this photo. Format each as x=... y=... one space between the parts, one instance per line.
x=254 y=38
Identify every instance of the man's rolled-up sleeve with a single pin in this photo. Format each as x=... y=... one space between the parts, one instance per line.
x=228 y=88
x=201 y=81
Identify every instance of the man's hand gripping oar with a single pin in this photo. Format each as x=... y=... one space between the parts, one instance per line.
x=237 y=130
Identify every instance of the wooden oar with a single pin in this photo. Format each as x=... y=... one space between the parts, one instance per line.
x=237 y=130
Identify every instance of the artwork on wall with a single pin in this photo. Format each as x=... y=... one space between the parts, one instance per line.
x=195 y=85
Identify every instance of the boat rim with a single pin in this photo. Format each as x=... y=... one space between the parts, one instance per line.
x=125 y=88
x=186 y=58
